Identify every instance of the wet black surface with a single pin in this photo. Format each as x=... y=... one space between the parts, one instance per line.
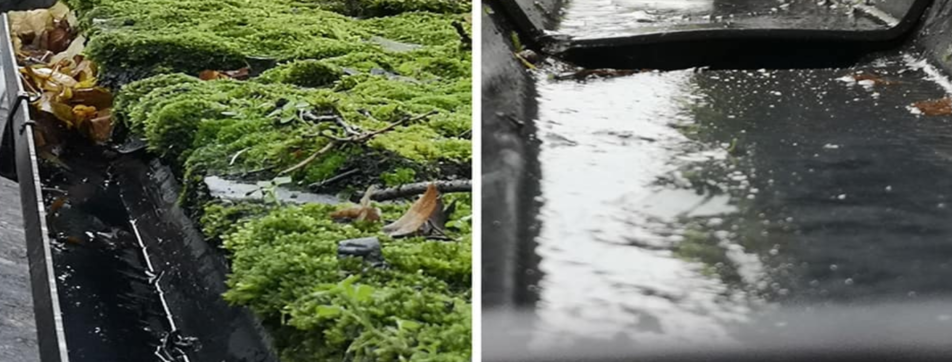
x=138 y=281
x=680 y=205
x=111 y=309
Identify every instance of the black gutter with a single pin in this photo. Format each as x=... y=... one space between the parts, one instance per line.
x=673 y=48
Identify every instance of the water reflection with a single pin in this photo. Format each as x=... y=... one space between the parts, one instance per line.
x=680 y=205
x=607 y=190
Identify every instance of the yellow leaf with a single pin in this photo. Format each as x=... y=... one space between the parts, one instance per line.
x=97 y=97
x=49 y=103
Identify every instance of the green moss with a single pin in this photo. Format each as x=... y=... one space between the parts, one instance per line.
x=363 y=8
x=170 y=129
x=156 y=36
x=284 y=259
x=398 y=177
x=285 y=266
x=304 y=73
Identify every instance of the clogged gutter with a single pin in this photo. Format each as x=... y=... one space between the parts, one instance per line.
x=303 y=93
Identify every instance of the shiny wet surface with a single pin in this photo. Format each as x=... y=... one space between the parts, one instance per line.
x=609 y=18
x=678 y=206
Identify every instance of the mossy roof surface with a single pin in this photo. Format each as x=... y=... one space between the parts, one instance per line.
x=312 y=56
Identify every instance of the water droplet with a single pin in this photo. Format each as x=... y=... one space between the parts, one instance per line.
x=848 y=281
x=888 y=188
x=814 y=283
x=841 y=197
x=833 y=267
x=774 y=251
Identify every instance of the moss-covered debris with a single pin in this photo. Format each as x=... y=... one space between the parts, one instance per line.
x=286 y=268
x=140 y=38
x=316 y=71
x=230 y=127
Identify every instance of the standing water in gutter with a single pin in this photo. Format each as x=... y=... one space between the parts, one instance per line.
x=680 y=206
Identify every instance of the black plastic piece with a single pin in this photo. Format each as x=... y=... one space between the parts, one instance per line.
x=718 y=48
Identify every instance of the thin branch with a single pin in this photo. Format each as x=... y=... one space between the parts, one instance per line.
x=419 y=188
x=361 y=138
x=330 y=145
x=367 y=136
x=342 y=175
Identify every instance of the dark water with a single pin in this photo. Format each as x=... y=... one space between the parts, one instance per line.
x=110 y=299
x=606 y=18
x=679 y=205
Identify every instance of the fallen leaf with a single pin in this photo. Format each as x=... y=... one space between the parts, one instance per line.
x=209 y=75
x=83 y=113
x=57 y=204
x=29 y=24
x=935 y=107
x=361 y=212
x=59 y=10
x=75 y=48
x=58 y=38
x=97 y=97
x=99 y=129
x=50 y=79
x=239 y=74
x=49 y=103
x=417 y=216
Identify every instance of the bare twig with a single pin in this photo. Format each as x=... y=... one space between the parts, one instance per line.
x=419 y=188
x=367 y=136
x=357 y=138
x=348 y=128
x=330 y=145
x=342 y=175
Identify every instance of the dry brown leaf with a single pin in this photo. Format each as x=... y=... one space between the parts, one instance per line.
x=209 y=75
x=239 y=74
x=361 y=212
x=58 y=38
x=935 y=107
x=97 y=97
x=417 y=216
x=99 y=129
x=57 y=204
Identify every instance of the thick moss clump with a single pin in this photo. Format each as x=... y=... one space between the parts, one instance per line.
x=363 y=8
x=286 y=267
x=208 y=123
x=162 y=36
x=312 y=65
x=304 y=73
